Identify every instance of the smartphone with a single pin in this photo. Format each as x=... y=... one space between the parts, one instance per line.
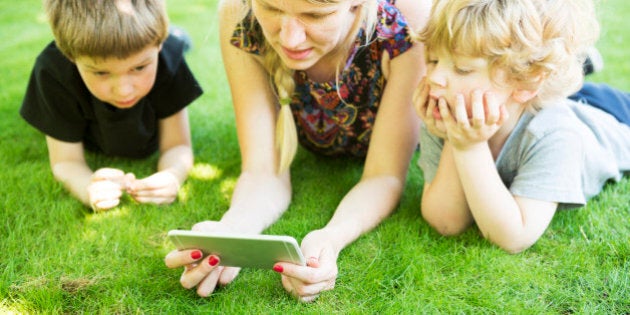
x=241 y=250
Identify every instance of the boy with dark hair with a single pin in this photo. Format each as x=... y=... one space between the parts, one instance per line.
x=114 y=82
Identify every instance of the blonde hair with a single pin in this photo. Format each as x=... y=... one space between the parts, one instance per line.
x=531 y=39
x=106 y=28
x=284 y=83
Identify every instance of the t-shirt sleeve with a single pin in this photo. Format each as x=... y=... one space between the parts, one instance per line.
x=430 y=153
x=551 y=169
x=176 y=87
x=51 y=100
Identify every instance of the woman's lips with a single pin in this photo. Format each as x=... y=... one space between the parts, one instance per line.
x=297 y=54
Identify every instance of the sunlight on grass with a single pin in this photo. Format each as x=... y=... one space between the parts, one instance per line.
x=116 y=213
x=227 y=187
x=204 y=171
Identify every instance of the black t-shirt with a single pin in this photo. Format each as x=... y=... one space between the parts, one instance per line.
x=58 y=103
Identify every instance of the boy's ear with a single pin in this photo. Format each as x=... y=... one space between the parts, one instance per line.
x=524 y=95
x=355 y=3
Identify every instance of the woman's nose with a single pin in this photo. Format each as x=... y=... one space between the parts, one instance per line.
x=292 y=32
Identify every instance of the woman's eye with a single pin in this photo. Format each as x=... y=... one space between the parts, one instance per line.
x=317 y=16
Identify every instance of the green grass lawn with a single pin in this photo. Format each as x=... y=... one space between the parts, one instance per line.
x=58 y=257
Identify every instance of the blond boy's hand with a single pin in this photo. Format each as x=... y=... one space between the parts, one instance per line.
x=474 y=124
x=426 y=107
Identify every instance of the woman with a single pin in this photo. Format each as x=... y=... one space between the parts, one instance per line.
x=309 y=64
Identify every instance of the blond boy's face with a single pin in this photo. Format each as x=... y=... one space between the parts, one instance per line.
x=120 y=82
x=450 y=75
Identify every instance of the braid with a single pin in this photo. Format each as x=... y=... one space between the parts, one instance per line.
x=286 y=133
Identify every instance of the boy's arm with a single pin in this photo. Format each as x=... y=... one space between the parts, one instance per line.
x=176 y=146
x=100 y=190
x=513 y=223
x=444 y=204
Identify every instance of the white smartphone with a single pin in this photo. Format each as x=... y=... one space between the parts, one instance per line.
x=241 y=250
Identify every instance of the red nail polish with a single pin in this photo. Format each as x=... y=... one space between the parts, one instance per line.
x=195 y=255
x=278 y=268
x=213 y=261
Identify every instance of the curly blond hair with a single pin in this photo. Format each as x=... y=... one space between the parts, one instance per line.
x=529 y=39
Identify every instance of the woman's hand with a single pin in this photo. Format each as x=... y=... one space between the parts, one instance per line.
x=106 y=188
x=202 y=272
x=307 y=282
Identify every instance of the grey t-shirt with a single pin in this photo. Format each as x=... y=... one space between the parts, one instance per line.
x=564 y=153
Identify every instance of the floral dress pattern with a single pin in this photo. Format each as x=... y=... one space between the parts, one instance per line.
x=337 y=118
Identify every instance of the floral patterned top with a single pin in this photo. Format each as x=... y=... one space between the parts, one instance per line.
x=326 y=123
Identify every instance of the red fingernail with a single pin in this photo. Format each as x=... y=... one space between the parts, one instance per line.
x=278 y=268
x=195 y=255
x=213 y=261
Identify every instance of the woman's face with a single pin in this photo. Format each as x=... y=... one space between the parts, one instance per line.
x=302 y=32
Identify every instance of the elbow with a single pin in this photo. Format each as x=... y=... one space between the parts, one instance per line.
x=511 y=244
x=445 y=222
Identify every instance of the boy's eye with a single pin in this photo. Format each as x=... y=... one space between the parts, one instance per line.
x=462 y=71
x=100 y=73
x=139 y=68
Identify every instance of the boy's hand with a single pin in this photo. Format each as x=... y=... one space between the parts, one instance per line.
x=320 y=273
x=426 y=107
x=466 y=129
x=159 y=188
x=107 y=187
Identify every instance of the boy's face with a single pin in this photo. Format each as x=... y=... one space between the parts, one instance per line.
x=449 y=75
x=120 y=82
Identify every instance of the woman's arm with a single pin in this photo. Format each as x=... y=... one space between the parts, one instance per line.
x=374 y=197
x=261 y=194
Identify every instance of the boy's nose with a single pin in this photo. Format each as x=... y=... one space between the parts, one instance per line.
x=292 y=32
x=123 y=87
x=437 y=77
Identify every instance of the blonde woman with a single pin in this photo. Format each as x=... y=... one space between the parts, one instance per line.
x=337 y=76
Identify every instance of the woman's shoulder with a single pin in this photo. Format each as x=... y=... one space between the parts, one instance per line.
x=415 y=12
x=239 y=26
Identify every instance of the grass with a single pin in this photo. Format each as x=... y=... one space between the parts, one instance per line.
x=57 y=257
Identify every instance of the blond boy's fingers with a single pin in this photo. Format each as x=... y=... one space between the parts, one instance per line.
x=478 y=111
x=461 y=114
x=492 y=108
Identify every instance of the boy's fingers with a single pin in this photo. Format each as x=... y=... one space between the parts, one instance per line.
x=107 y=173
x=478 y=111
